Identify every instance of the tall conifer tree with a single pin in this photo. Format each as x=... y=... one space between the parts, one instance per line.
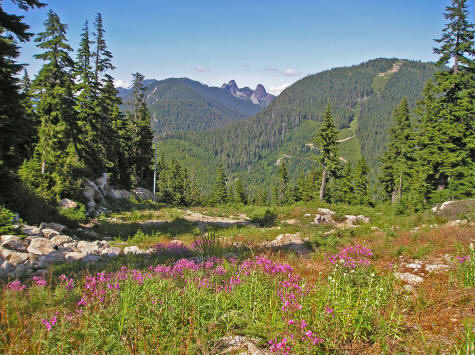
x=15 y=130
x=326 y=142
x=397 y=158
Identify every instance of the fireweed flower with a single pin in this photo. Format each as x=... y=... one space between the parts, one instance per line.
x=16 y=286
x=49 y=325
x=39 y=281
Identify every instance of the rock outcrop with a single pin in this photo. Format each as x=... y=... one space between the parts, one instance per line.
x=94 y=193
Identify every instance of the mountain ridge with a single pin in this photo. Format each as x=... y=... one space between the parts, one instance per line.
x=249 y=148
x=178 y=104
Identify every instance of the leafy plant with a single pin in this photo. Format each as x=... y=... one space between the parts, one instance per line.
x=6 y=219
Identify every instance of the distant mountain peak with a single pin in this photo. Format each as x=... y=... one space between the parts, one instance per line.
x=259 y=96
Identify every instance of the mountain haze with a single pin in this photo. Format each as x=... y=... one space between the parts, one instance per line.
x=182 y=104
x=362 y=98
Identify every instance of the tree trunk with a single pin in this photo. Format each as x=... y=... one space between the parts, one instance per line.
x=324 y=180
x=456 y=64
x=399 y=188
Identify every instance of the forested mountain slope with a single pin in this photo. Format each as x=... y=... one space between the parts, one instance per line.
x=362 y=96
x=184 y=104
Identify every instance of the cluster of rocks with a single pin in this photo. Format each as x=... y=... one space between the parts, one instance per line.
x=293 y=242
x=325 y=215
x=413 y=272
x=94 y=192
x=48 y=244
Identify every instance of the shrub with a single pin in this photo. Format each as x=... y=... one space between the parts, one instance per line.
x=466 y=268
x=6 y=219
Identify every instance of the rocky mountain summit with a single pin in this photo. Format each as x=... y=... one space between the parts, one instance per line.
x=259 y=96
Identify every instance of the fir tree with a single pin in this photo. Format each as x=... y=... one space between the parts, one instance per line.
x=326 y=142
x=219 y=194
x=142 y=134
x=15 y=128
x=361 y=194
x=283 y=187
x=239 y=193
x=53 y=90
x=398 y=156
x=457 y=38
x=455 y=109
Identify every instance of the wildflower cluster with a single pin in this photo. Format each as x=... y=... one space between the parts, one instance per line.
x=16 y=286
x=352 y=256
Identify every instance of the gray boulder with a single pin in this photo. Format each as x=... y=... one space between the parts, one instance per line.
x=15 y=244
x=13 y=257
x=112 y=251
x=54 y=226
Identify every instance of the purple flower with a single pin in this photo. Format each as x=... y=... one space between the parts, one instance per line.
x=39 y=281
x=16 y=286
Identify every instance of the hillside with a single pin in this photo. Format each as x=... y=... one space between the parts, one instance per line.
x=184 y=104
x=362 y=99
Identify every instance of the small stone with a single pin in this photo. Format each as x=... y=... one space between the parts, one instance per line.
x=66 y=204
x=409 y=288
x=436 y=267
x=74 y=256
x=307 y=215
x=91 y=258
x=414 y=266
x=55 y=226
x=111 y=251
x=409 y=278
x=133 y=250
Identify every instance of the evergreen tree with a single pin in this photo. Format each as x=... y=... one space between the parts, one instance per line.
x=28 y=107
x=455 y=114
x=457 y=38
x=326 y=142
x=397 y=159
x=340 y=186
x=219 y=194
x=261 y=198
x=53 y=90
x=86 y=136
x=102 y=56
x=239 y=193
x=283 y=187
x=361 y=194
x=142 y=134
x=15 y=128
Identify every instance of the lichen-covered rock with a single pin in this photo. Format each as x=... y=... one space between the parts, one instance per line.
x=89 y=247
x=54 y=226
x=53 y=257
x=31 y=231
x=143 y=194
x=66 y=204
x=133 y=250
x=74 y=256
x=409 y=278
x=40 y=246
x=19 y=245
x=49 y=233
x=111 y=251
x=59 y=240
x=13 y=257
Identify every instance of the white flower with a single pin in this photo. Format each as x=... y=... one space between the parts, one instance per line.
x=372 y=275
x=470 y=246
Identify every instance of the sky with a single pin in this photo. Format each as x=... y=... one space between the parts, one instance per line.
x=274 y=43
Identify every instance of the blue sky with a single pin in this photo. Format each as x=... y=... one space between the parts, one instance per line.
x=273 y=42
